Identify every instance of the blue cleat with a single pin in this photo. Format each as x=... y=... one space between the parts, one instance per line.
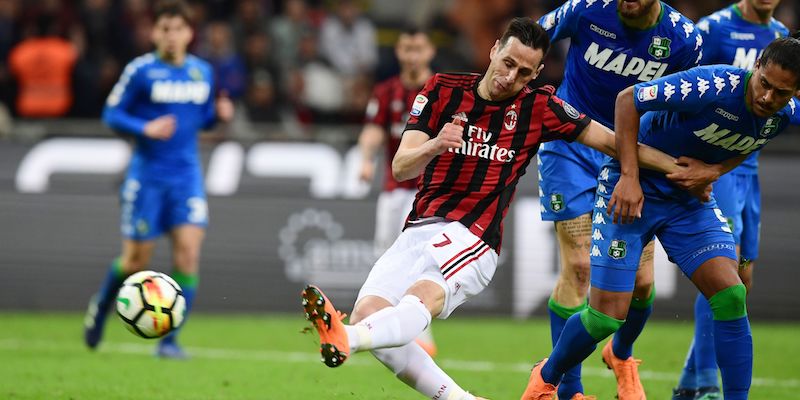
x=708 y=393
x=93 y=322
x=683 y=394
x=171 y=350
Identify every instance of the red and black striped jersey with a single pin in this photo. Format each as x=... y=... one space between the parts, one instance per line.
x=476 y=183
x=388 y=108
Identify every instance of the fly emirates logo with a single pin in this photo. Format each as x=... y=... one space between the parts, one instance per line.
x=477 y=145
x=621 y=64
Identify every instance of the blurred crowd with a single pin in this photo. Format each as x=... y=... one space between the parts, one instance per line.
x=310 y=61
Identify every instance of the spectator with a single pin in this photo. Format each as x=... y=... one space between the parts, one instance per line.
x=263 y=78
x=287 y=30
x=43 y=66
x=347 y=40
x=230 y=74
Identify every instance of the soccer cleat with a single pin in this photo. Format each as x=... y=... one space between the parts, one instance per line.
x=429 y=347
x=629 y=387
x=708 y=393
x=537 y=388
x=93 y=323
x=683 y=394
x=170 y=350
x=581 y=396
x=334 y=344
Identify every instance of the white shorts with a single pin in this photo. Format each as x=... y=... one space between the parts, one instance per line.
x=392 y=209
x=446 y=253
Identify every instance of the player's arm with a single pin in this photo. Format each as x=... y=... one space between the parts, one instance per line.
x=370 y=142
x=116 y=112
x=563 y=21
x=627 y=199
x=696 y=173
x=417 y=149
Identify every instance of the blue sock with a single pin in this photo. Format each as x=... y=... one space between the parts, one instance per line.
x=109 y=288
x=689 y=374
x=734 y=348
x=571 y=383
x=705 y=356
x=574 y=345
x=188 y=284
x=638 y=313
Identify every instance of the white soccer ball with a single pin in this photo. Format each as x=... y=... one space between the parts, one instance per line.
x=150 y=304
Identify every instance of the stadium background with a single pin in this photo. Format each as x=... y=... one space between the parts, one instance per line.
x=286 y=207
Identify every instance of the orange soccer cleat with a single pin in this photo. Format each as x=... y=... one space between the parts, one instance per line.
x=537 y=388
x=334 y=344
x=629 y=387
x=581 y=396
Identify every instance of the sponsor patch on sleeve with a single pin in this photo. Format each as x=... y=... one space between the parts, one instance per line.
x=648 y=93
x=419 y=104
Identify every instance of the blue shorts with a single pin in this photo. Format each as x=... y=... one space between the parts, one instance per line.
x=567 y=179
x=739 y=198
x=150 y=209
x=690 y=231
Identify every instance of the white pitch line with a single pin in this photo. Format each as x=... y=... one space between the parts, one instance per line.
x=310 y=357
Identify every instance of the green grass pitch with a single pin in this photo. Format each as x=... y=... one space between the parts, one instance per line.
x=42 y=356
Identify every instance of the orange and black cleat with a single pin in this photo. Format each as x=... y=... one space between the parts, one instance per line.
x=629 y=386
x=334 y=344
x=537 y=388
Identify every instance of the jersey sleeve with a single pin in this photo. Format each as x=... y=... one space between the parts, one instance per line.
x=711 y=45
x=378 y=107
x=688 y=90
x=127 y=90
x=563 y=21
x=794 y=112
x=424 y=114
x=560 y=120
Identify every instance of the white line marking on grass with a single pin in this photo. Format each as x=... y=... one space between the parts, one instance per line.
x=310 y=357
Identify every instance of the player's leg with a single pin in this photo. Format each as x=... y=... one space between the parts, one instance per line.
x=618 y=352
x=701 y=243
x=751 y=230
x=567 y=185
x=186 y=243
x=186 y=219
x=140 y=210
x=135 y=257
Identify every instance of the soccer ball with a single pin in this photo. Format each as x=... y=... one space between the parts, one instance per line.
x=150 y=304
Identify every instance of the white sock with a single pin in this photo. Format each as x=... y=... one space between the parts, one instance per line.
x=391 y=326
x=412 y=365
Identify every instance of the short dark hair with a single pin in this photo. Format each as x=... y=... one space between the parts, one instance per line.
x=784 y=52
x=172 y=8
x=528 y=32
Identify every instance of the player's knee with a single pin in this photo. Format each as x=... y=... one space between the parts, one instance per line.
x=577 y=271
x=186 y=257
x=599 y=325
x=365 y=308
x=729 y=304
x=643 y=289
x=135 y=261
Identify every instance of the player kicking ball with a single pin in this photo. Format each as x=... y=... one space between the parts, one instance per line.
x=719 y=115
x=469 y=139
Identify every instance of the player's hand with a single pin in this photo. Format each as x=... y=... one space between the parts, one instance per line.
x=627 y=200
x=161 y=128
x=367 y=171
x=224 y=107
x=450 y=137
x=694 y=175
x=702 y=193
